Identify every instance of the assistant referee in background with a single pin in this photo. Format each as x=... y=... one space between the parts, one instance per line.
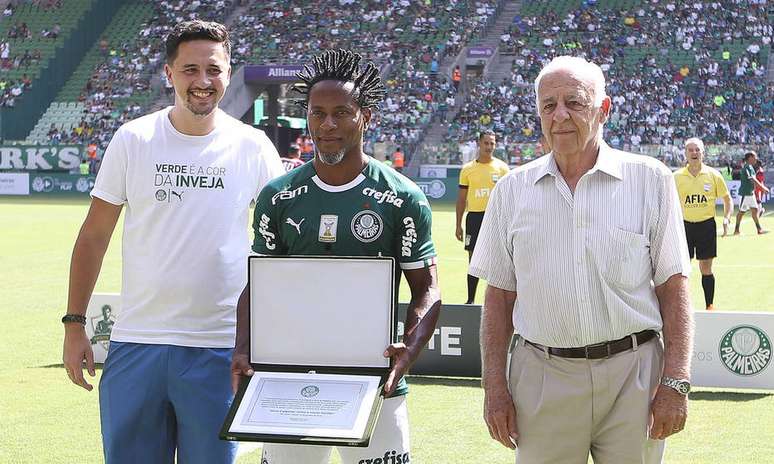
x=699 y=186
x=477 y=179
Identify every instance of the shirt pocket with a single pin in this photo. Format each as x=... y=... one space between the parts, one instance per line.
x=622 y=257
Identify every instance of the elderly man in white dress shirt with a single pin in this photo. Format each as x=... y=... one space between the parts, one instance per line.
x=584 y=255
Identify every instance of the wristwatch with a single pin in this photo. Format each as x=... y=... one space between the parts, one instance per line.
x=680 y=386
x=77 y=318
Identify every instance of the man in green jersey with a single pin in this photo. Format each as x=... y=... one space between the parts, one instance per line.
x=345 y=203
x=746 y=192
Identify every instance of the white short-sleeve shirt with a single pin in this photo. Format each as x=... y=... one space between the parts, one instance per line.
x=186 y=240
x=584 y=265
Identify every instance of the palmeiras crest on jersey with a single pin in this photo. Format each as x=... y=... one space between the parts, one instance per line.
x=367 y=226
x=102 y=326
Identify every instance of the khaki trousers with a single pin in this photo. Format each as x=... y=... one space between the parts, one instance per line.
x=568 y=408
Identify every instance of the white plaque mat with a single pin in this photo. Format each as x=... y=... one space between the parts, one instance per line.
x=306 y=405
x=309 y=311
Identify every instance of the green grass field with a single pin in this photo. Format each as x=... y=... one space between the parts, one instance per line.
x=46 y=419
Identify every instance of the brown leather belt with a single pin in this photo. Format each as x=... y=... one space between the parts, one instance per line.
x=598 y=350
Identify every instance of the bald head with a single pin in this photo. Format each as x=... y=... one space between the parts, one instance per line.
x=582 y=70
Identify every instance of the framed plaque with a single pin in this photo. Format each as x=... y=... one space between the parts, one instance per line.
x=318 y=330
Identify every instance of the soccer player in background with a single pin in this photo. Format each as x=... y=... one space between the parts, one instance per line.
x=760 y=175
x=187 y=175
x=747 y=199
x=346 y=203
x=477 y=179
x=698 y=186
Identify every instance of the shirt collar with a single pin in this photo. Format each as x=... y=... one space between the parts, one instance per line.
x=608 y=161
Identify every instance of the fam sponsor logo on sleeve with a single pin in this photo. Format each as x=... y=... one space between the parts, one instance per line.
x=745 y=350
x=367 y=226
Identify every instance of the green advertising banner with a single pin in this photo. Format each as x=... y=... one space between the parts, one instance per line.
x=40 y=157
x=442 y=190
x=60 y=184
x=454 y=348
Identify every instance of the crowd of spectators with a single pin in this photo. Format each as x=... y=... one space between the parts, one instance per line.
x=674 y=70
x=19 y=31
x=126 y=70
x=407 y=39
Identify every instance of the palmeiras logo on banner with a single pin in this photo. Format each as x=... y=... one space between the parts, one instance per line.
x=102 y=326
x=745 y=350
x=84 y=184
x=437 y=189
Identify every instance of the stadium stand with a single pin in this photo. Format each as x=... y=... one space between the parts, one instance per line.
x=407 y=39
x=30 y=32
x=674 y=69
x=112 y=84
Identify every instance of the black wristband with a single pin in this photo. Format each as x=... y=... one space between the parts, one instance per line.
x=74 y=318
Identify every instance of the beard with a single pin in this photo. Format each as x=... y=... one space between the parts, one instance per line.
x=201 y=108
x=331 y=159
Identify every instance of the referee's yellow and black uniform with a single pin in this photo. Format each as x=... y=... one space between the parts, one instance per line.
x=698 y=195
x=479 y=179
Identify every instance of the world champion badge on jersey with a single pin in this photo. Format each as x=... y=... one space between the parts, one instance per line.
x=328 y=226
x=367 y=226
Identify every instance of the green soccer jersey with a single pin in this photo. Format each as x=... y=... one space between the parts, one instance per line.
x=746 y=184
x=379 y=212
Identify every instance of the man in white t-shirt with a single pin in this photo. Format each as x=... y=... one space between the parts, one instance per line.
x=187 y=175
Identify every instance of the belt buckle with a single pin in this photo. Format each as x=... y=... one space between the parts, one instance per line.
x=597 y=345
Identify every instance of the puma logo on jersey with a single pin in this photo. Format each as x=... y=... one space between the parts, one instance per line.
x=388 y=196
x=294 y=224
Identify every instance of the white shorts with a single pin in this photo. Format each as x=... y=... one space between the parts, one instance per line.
x=746 y=202
x=389 y=443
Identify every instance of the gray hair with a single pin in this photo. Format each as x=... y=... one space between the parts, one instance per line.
x=696 y=141
x=586 y=70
